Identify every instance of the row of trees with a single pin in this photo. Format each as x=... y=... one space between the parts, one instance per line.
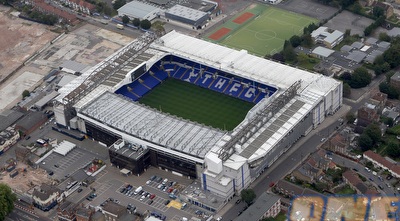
x=288 y=54
x=144 y=24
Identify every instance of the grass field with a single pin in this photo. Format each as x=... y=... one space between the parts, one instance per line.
x=265 y=32
x=197 y=104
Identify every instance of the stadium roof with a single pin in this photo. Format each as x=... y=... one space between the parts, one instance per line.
x=241 y=63
x=152 y=125
x=141 y=10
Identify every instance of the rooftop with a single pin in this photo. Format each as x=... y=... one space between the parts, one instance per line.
x=141 y=10
x=257 y=210
x=8 y=118
x=186 y=12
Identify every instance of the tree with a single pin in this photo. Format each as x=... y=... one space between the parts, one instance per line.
x=7 y=198
x=307 y=41
x=383 y=36
x=374 y=132
x=145 y=24
x=350 y=118
x=378 y=11
x=346 y=90
x=118 y=4
x=136 y=22
x=125 y=19
x=393 y=149
x=295 y=40
x=360 y=78
x=248 y=195
x=365 y=142
x=289 y=54
x=388 y=89
x=25 y=93
x=392 y=55
x=278 y=57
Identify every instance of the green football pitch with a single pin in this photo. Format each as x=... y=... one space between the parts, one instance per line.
x=265 y=32
x=197 y=104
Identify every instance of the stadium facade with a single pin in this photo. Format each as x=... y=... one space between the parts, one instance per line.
x=289 y=103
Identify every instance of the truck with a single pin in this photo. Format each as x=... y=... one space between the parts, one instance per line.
x=119 y=26
x=14 y=174
x=140 y=188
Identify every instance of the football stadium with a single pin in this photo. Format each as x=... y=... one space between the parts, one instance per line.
x=196 y=109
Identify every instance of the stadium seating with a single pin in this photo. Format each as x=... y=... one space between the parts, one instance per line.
x=190 y=71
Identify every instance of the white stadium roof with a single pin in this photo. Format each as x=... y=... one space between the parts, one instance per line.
x=152 y=125
x=241 y=63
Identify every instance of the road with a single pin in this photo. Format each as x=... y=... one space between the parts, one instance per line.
x=301 y=150
x=23 y=213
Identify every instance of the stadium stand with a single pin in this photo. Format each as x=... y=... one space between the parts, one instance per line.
x=201 y=75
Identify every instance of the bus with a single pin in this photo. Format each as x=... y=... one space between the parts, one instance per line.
x=73 y=184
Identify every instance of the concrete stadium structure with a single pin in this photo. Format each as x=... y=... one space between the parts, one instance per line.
x=225 y=161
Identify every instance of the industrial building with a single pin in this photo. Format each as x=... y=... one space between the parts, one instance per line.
x=187 y=15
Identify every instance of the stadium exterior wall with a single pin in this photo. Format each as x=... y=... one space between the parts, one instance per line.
x=287 y=142
x=109 y=135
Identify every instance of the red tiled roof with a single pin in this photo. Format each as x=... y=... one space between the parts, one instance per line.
x=51 y=9
x=84 y=4
x=352 y=177
x=381 y=160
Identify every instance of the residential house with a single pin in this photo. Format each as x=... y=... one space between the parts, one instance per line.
x=116 y=212
x=43 y=7
x=367 y=115
x=330 y=38
x=387 y=8
x=379 y=99
x=338 y=144
x=353 y=180
x=267 y=205
x=84 y=214
x=67 y=211
x=395 y=80
x=45 y=197
x=383 y=163
x=313 y=168
x=81 y=6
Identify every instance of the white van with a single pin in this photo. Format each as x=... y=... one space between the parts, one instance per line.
x=140 y=188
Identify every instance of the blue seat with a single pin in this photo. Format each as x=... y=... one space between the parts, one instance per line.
x=220 y=84
x=149 y=80
x=125 y=92
x=179 y=72
x=234 y=89
x=205 y=80
x=246 y=91
x=162 y=75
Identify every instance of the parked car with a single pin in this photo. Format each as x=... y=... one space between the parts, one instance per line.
x=148 y=182
x=238 y=201
x=152 y=178
x=80 y=190
x=150 y=202
x=167 y=202
x=142 y=198
x=152 y=196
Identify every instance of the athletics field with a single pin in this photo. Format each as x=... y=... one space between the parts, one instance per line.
x=260 y=29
